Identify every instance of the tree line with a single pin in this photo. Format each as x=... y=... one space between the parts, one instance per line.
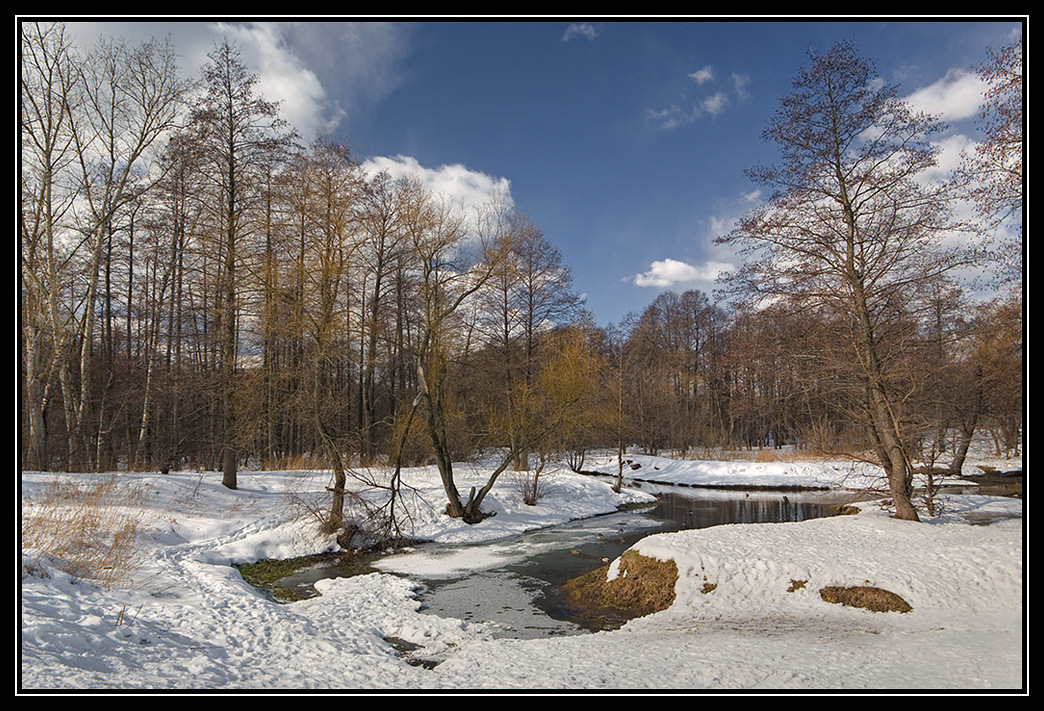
x=198 y=290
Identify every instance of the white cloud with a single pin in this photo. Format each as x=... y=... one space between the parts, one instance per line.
x=956 y=96
x=673 y=273
x=712 y=105
x=282 y=77
x=455 y=182
x=671 y=117
x=580 y=29
x=301 y=65
x=704 y=75
x=715 y=104
x=739 y=83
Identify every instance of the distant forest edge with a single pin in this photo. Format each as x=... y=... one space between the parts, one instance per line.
x=200 y=291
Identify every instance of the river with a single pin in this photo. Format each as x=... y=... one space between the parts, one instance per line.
x=513 y=583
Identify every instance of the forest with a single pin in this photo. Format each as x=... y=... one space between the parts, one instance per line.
x=199 y=290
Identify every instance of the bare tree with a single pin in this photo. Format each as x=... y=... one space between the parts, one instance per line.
x=382 y=213
x=529 y=294
x=333 y=245
x=994 y=172
x=453 y=263
x=850 y=225
x=994 y=176
x=241 y=132
x=47 y=87
x=125 y=100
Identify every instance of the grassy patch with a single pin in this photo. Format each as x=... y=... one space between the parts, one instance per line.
x=869 y=598
x=642 y=586
x=266 y=574
x=90 y=528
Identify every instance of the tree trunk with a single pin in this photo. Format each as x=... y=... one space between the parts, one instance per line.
x=473 y=509
x=883 y=419
x=436 y=426
x=228 y=467
x=968 y=425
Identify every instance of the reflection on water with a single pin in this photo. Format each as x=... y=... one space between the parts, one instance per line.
x=520 y=595
x=513 y=583
x=685 y=511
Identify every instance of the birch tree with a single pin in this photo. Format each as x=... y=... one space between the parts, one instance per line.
x=47 y=87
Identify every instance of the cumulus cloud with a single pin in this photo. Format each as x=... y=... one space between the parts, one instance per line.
x=298 y=65
x=672 y=273
x=282 y=76
x=456 y=183
x=956 y=96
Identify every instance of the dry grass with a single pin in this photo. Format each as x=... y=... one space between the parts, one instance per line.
x=772 y=454
x=642 y=586
x=296 y=462
x=869 y=598
x=89 y=528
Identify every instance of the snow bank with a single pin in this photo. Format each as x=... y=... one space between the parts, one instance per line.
x=186 y=619
x=825 y=474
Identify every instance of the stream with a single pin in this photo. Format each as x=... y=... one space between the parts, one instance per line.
x=514 y=582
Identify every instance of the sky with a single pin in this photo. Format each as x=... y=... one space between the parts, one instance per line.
x=625 y=140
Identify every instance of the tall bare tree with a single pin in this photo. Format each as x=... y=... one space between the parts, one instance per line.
x=994 y=171
x=125 y=99
x=529 y=294
x=851 y=226
x=331 y=244
x=241 y=133
x=453 y=263
x=47 y=88
x=382 y=214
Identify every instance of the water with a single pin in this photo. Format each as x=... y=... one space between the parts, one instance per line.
x=520 y=594
x=513 y=583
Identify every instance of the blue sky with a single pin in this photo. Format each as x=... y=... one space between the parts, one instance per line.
x=625 y=140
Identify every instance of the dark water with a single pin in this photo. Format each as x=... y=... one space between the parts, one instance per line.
x=515 y=583
x=521 y=594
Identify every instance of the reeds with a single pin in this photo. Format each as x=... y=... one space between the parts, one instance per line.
x=89 y=528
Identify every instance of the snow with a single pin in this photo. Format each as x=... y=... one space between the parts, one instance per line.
x=186 y=620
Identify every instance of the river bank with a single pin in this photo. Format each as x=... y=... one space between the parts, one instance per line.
x=184 y=619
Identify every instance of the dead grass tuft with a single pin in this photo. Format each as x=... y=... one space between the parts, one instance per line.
x=91 y=528
x=642 y=586
x=870 y=598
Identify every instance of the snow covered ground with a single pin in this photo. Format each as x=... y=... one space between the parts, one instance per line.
x=186 y=620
